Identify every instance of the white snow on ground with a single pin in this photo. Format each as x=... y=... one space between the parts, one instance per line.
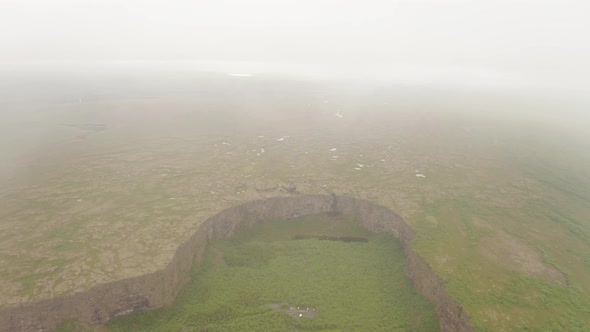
x=240 y=75
x=358 y=169
x=225 y=143
x=280 y=139
x=338 y=115
x=419 y=174
x=361 y=165
x=260 y=136
x=333 y=149
x=262 y=150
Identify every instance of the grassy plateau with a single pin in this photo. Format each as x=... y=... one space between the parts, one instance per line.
x=102 y=179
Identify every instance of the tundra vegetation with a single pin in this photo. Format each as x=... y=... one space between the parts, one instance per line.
x=347 y=285
x=108 y=177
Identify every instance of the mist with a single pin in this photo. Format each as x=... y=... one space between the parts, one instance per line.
x=315 y=165
x=490 y=44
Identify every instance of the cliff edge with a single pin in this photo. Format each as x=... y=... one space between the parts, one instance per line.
x=108 y=301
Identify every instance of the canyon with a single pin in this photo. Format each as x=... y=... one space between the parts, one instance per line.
x=105 y=302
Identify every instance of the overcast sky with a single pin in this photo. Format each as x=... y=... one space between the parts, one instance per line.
x=515 y=41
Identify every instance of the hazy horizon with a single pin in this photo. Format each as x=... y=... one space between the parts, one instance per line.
x=522 y=44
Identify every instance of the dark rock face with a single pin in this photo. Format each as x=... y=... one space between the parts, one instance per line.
x=105 y=302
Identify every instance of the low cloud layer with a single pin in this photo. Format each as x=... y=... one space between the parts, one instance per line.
x=480 y=41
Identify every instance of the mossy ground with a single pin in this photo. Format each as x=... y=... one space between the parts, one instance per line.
x=353 y=286
x=93 y=207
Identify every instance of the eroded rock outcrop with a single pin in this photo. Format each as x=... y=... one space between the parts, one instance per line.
x=105 y=302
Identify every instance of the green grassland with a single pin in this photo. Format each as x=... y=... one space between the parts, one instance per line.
x=547 y=211
x=353 y=286
x=503 y=213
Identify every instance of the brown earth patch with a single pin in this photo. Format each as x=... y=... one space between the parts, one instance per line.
x=432 y=219
x=514 y=253
x=477 y=221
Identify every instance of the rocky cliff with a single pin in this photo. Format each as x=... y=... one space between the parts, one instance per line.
x=105 y=302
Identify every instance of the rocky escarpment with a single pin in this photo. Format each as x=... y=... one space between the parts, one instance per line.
x=105 y=302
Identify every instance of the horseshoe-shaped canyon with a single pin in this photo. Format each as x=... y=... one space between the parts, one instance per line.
x=108 y=301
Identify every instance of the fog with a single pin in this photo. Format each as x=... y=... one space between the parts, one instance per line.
x=64 y=51
x=458 y=126
x=512 y=44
